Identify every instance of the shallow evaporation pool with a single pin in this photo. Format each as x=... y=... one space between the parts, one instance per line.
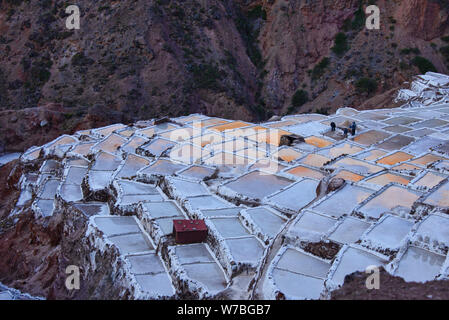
x=134 y=143
x=343 y=201
x=388 y=233
x=133 y=163
x=419 y=265
x=349 y=230
x=429 y=180
x=106 y=162
x=315 y=160
x=295 y=197
x=197 y=172
x=157 y=147
x=288 y=154
x=439 y=197
x=395 y=158
x=386 y=178
x=162 y=167
x=356 y=166
x=302 y=171
x=341 y=149
x=111 y=144
x=257 y=184
x=382 y=203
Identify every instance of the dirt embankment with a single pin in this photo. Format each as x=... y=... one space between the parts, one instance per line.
x=391 y=288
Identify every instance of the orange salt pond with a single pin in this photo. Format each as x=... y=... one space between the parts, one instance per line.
x=315 y=160
x=395 y=158
x=348 y=175
x=301 y=171
x=427 y=159
x=230 y=126
x=288 y=154
x=317 y=142
x=387 y=178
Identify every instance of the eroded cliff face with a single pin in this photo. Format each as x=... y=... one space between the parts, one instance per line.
x=300 y=34
x=235 y=59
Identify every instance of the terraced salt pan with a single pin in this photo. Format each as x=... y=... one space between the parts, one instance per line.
x=75 y=175
x=356 y=166
x=255 y=185
x=48 y=190
x=348 y=175
x=133 y=163
x=302 y=171
x=264 y=219
x=386 y=178
x=226 y=212
x=197 y=172
x=99 y=180
x=296 y=275
x=180 y=135
x=92 y=208
x=287 y=154
x=271 y=137
x=371 y=137
x=426 y=159
x=71 y=192
x=44 y=207
x=314 y=160
x=308 y=129
x=207 y=139
x=198 y=265
x=421 y=132
x=246 y=250
x=401 y=121
x=423 y=145
x=419 y=265
x=352 y=259
x=50 y=166
x=189 y=154
x=295 y=197
x=299 y=262
x=341 y=149
x=388 y=232
x=181 y=188
x=395 y=158
x=397 y=129
x=133 y=144
x=105 y=131
x=430 y=123
x=112 y=226
x=156 y=147
x=429 y=180
x=349 y=230
x=267 y=165
x=106 y=162
x=207 y=202
x=342 y=202
x=311 y=226
x=161 y=167
x=230 y=227
x=372 y=154
x=391 y=198
x=110 y=144
x=434 y=230
x=439 y=197
x=132 y=192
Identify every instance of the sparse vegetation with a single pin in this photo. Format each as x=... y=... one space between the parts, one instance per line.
x=423 y=64
x=341 y=44
x=366 y=85
x=318 y=71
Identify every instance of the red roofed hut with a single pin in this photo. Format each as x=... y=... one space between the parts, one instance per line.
x=189 y=231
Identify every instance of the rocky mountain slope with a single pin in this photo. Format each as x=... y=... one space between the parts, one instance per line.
x=236 y=59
